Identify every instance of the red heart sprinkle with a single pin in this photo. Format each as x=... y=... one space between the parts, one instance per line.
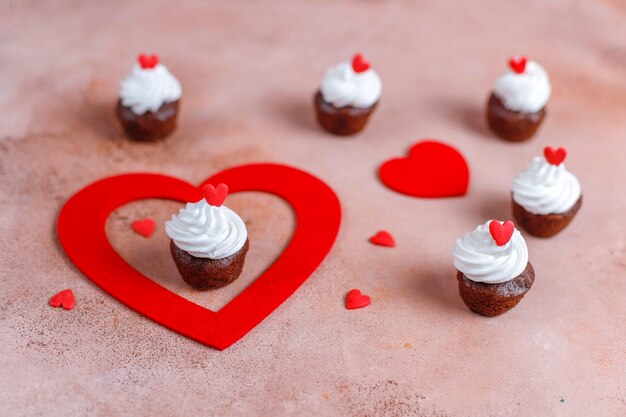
x=144 y=227
x=356 y=300
x=215 y=196
x=64 y=299
x=383 y=238
x=554 y=157
x=148 y=61
x=518 y=64
x=501 y=232
x=359 y=64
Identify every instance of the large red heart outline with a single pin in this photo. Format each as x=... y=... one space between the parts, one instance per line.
x=81 y=229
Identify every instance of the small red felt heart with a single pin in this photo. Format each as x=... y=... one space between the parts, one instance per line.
x=355 y=299
x=518 y=64
x=432 y=170
x=148 y=61
x=359 y=64
x=64 y=299
x=144 y=227
x=554 y=157
x=501 y=232
x=215 y=196
x=383 y=238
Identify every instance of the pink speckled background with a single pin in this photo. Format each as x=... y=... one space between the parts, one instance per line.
x=249 y=70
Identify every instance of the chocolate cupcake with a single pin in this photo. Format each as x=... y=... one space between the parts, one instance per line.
x=546 y=196
x=209 y=241
x=517 y=105
x=348 y=95
x=492 y=265
x=149 y=100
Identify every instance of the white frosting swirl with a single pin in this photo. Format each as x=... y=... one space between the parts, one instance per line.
x=527 y=92
x=342 y=87
x=480 y=259
x=544 y=188
x=148 y=89
x=206 y=231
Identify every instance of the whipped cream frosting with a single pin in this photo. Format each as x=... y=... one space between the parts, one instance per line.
x=148 y=89
x=527 y=92
x=544 y=188
x=342 y=87
x=480 y=259
x=206 y=231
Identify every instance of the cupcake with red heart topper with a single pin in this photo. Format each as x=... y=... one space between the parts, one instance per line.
x=493 y=270
x=209 y=241
x=546 y=196
x=149 y=100
x=517 y=105
x=347 y=96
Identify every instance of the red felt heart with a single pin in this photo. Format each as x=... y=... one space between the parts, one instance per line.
x=148 y=61
x=144 y=227
x=501 y=232
x=432 y=170
x=63 y=299
x=554 y=157
x=215 y=196
x=355 y=299
x=359 y=64
x=383 y=238
x=81 y=232
x=518 y=64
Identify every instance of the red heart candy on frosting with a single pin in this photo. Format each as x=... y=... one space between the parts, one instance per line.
x=148 y=61
x=554 y=157
x=215 y=196
x=64 y=299
x=355 y=300
x=144 y=227
x=518 y=64
x=359 y=64
x=501 y=232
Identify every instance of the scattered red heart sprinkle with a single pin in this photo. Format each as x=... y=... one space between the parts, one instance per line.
x=554 y=156
x=501 y=232
x=518 y=64
x=144 y=227
x=359 y=64
x=148 y=61
x=383 y=238
x=215 y=196
x=356 y=300
x=63 y=299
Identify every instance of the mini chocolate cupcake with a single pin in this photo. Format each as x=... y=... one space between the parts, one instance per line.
x=546 y=196
x=209 y=241
x=517 y=105
x=348 y=95
x=492 y=265
x=149 y=100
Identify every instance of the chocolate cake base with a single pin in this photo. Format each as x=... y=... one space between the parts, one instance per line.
x=149 y=126
x=511 y=125
x=544 y=225
x=344 y=121
x=208 y=274
x=494 y=299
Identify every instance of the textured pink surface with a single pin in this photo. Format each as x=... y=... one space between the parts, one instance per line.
x=249 y=71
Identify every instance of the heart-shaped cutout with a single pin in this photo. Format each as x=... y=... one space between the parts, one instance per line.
x=215 y=196
x=518 y=64
x=501 y=232
x=433 y=169
x=64 y=299
x=144 y=227
x=383 y=238
x=148 y=61
x=359 y=64
x=355 y=300
x=554 y=156
x=81 y=232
